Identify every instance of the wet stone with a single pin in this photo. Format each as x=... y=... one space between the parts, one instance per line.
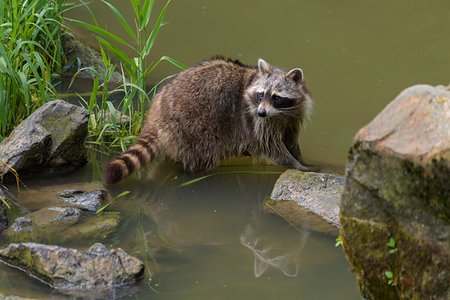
x=62 y=224
x=91 y=201
x=308 y=199
x=22 y=224
x=90 y=274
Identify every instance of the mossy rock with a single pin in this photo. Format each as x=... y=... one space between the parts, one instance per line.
x=49 y=141
x=398 y=188
x=62 y=224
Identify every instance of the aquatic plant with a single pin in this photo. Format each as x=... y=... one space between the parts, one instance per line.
x=30 y=56
x=135 y=68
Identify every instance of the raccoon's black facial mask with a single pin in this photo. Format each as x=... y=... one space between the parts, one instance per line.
x=282 y=102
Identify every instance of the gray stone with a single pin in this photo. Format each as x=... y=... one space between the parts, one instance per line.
x=398 y=188
x=308 y=199
x=65 y=269
x=86 y=58
x=62 y=224
x=91 y=201
x=3 y=210
x=22 y=224
x=49 y=141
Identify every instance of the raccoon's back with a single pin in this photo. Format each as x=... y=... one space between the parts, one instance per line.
x=198 y=114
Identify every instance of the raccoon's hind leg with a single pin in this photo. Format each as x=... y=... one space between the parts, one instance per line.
x=141 y=152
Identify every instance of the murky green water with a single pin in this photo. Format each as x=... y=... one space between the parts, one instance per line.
x=209 y=240
x=357 y=55
x=212 y=240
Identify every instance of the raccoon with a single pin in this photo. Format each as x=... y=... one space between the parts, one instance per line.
x=218 y=109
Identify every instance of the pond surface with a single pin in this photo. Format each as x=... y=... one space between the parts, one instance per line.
x=357 y=55
x=213 y=239
x=208 y=240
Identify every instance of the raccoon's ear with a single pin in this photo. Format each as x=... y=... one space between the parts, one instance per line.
x=296 y=75
x=264 y=67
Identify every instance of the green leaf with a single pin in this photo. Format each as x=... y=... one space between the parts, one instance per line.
x=101 y=32
x=112 y=200
x=147 y=11
x=389 y=274
x=121 y=20
x=225 y=173
x=174 y=62
x=151 y=40
x=391 y=243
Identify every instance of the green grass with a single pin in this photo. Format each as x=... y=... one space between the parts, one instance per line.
x=30 y=56
x=136 y=68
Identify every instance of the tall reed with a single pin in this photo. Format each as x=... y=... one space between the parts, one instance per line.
x=30 y=55
x=136 y=68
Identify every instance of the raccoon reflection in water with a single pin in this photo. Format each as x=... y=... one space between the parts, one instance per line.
x=270 y=251
x=218 y=109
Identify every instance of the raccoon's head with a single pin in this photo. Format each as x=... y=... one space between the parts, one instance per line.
x=274 y=92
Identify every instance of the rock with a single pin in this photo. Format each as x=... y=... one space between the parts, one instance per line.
x=3 y=211
x=49 y=141
x=8 y=297
x=70 y=269
x=397 y=191
x=86 y=58
x=91 y=201
x=62 y=224
x=308 y=199
x=22 y=224
x=47 y=196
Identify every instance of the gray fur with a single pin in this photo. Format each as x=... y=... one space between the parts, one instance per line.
x=209 y=112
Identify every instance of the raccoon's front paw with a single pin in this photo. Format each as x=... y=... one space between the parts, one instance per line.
x=308 y=168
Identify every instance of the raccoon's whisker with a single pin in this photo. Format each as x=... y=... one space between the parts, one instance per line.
x=290 y=108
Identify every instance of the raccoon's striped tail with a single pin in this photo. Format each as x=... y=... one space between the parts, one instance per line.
x=141 y=152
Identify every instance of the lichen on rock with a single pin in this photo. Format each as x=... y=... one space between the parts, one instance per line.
x=65 y=269
x=398 y=187
x=51 y=140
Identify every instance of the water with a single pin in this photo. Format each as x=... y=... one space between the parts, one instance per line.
x=357 y=55
x=212 y=239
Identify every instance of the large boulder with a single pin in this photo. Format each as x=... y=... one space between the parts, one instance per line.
x=65 y=269
x=49 y=141
x=308 y=200
x=395 y=208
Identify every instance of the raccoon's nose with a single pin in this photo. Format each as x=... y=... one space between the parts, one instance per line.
x=262 y=112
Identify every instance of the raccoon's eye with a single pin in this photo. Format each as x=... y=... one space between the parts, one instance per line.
x=281 y=102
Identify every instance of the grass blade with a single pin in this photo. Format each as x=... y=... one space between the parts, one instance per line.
x=112 y=200
x=226 y=173
x=121 y=20
x=151 y=40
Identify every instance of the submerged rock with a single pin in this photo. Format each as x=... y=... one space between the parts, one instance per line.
x=51 y=140
x=395 y=208
x=62 y=224
x=91 y=201
x=22 y=224
x=71 y=269
x=308 y=199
